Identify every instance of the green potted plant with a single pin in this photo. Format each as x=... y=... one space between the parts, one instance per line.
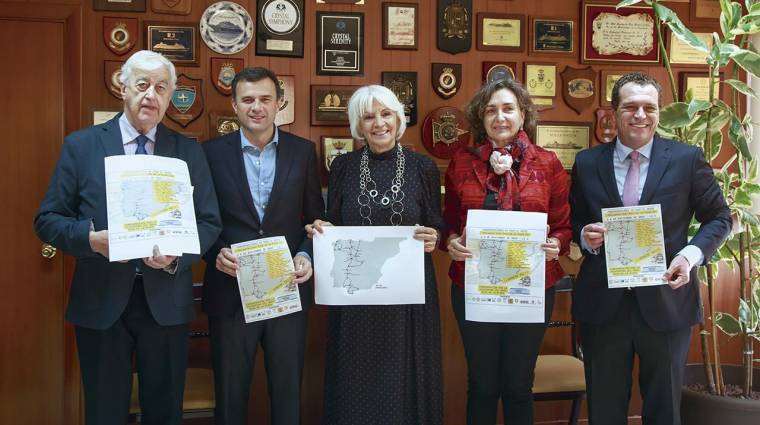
x=705 y=123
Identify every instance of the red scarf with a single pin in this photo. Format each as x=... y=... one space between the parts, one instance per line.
x=506 y=185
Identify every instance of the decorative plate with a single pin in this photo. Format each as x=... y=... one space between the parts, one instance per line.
x=226 y=27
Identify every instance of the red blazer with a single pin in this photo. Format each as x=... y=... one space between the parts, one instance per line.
x=544 y=187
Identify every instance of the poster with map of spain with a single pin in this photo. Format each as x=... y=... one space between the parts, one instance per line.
x=149 y=199
x=504 y=278
x=366 y=265
x=634 y=246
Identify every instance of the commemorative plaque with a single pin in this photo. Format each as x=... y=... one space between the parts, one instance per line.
x=699 y=84
x=625 y=34
x=119 y=34
x=171 y=7
x=286 y=114
x=444 y=131
x=334 y=146
x=501 y=32
x=177 y=42
x=119 y=5
x=226 y=27
x=400 y=26
x=279 y=28
x=683 y=54
x=608 y=80
x=187 y=101
x=493 y=71
x=704 y=11
x=578 y=87
x=223 y=70
x=404 y=86
x=329 y=104
x=111 y=74
x=606 y=127
x=541 y=79
x=454 y=25
x=565 y=139
x=551 y=36
x=221 y=123
x=340 y=43
x=446 y=79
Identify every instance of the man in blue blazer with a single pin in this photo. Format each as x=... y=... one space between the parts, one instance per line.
x=653 y=322
x=139 y=307
x=268 y=185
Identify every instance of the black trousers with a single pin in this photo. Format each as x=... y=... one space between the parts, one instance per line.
x=233 y=352
x=105 y=358
x=609 y=350
x=500 y=362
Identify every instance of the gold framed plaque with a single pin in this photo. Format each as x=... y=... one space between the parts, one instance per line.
x=681 y=53
x=565 y=139
x=400 y=25
x=334 y=146
x=541 y=79
x=221 y=123
x=704 y=11
x=501 y=32
x=609 y=77
x=177 y=41
x=551 y=36
x=699 y=84
x=329 y=104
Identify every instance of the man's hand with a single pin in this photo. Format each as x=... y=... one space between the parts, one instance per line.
x=99 y=242
x=303 y=269
x=593 y=235
x=677 y=274
x=158 y=261
x=551 y=248
x=456 y=248
x=226 y=262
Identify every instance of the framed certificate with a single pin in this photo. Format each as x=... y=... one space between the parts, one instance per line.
x=400 y=26
x=279 y=28
x=704 y=11
x=565 y=139
x=340 y=43
x=699 y=84
x=618 y=35
x=501 y=32
x=178 y=42
x=683 y=54
x=555 y=36
x=329 y=104
x=332 y=147
x=608 y=80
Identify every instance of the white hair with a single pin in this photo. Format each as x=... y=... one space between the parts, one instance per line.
x=145 y=60
x=361 y=103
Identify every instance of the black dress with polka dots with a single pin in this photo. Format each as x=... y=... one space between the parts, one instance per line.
x=384 y=362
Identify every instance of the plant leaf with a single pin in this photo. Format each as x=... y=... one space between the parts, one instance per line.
x=675 y=115
x=742 y=198
x=697 y=105
x=727 y=324
x=741 y=87
x=737 y=138
x=748 y=60
x=678 y=29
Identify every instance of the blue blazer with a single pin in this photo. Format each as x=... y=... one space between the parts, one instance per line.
x=76 y=197
x=682 y=182
x=296 y=200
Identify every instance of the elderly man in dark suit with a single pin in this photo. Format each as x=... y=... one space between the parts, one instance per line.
x=268 y=185
x=653 y=322
x=139 y=307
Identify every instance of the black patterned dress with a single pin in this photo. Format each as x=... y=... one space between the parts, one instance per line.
x=384 y=362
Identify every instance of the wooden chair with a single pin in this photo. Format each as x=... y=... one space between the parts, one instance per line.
x=199 y=400
x=561 y=376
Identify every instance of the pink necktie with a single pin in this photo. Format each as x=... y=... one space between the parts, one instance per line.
x=631 y=186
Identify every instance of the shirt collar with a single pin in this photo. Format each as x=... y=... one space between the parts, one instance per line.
x=244 y=142
x=622 y=151
x=129 y=133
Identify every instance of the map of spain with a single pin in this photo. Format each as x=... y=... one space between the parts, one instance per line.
x=147 y=199
x=633 y=243
x=358 y=263
x=503 y=261
x=262 y=275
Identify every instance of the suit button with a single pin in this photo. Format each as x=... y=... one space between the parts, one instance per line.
x=261 y=232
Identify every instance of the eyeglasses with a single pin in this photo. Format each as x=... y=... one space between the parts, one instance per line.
x=159 y=88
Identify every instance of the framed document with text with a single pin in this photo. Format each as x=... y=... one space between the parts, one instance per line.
x=682 y=54
x=340 y=43
x=548 y=35
x=400 y=26
x=501 y=32
x=565 y=139
x=279 y=28
x=618 y=35
x=699 y=84
x=608 y=80
x=177 y=41
x=329 y=104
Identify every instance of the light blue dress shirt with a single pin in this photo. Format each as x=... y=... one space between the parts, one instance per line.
x=260 y=165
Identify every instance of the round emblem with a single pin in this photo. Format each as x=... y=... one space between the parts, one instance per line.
x=120 y=36
x=580 y=88
x=445 y=131
x=226 y=27
x=500 y=72
x=280 y=17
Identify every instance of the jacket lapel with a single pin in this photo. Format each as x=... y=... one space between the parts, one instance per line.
x=283 y=164
x=235 y=161
x=110 y=138
x=165 y=143
x=658 y=163
x=479 y=167
x=606 y=171
x=527 y=167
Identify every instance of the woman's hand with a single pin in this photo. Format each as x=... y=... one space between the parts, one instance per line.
x=428 y=235
x=316 y=227
x=457 y=250
x=551 y=248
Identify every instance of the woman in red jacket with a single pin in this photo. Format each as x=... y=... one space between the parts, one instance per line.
x=505 y=171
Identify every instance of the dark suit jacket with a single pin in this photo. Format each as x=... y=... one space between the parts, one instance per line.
x=296 y=200
x=77 y=196
x=682 y=182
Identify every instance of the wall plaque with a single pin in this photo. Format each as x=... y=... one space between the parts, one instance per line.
x=223 y=70
x=340 y=43
x=119 y=5
x=226 y=27
x=187 y=101
x=119 y=34
x=501 y=32
x=704 y=11
x=177 y=42
x=565 y=139
x=446 y=79
x=333 y=146
x=329 y=104
x=221 y=123
x=609 y=77
x=171 y=7
x=444 y=131
x=454 y=25
x=699 y=84
x=625 y=34
x=279 y=28
x=681 y=53
x=404 y=86
x=111 y=73
x=492 y=71
x=578 y=87
x=606 y=127
x=400 y=26
x=551 y=35
x=286 y=113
